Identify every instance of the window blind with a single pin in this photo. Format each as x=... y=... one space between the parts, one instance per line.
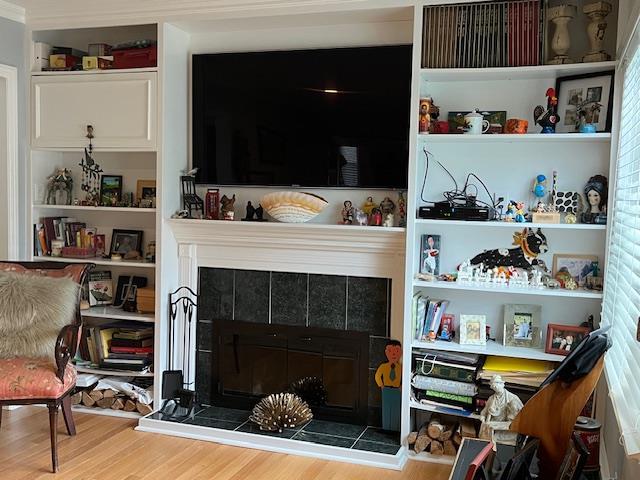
x=621 y=305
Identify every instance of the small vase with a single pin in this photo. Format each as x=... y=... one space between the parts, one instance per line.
x=561 y=41
x=597 y=12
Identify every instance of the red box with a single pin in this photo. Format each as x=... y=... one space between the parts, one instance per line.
x=135 y=57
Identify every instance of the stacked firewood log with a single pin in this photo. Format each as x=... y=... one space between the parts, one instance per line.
x=441 y=435
x=109 y=399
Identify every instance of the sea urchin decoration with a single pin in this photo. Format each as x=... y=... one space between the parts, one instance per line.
x=310 y=389
x=279 y=411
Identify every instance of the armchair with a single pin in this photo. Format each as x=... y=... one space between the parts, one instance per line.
x=37 y=379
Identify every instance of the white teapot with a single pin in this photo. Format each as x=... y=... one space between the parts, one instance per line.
x=475 y=123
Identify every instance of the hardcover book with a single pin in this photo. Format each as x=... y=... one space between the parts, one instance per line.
x=100 y=288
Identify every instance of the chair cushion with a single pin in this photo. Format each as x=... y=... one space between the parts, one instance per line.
x=33 y=310
x=24 y=378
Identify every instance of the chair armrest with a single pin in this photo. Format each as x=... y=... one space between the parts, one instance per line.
x=66 y=347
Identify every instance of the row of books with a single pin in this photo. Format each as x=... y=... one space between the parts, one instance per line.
x=461 y=381
x=118 y=346
x=429 y=316
x=487 y=34
x=67 y=230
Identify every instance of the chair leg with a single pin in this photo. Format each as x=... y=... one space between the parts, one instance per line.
x=68 y=415
x=0 y=416
x=53 y=426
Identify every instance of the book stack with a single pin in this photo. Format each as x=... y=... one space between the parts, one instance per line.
x=118 y=347
x=427 y=316
x=487 y=34
x=522 y=377
x=70 y=232
x=446 y=380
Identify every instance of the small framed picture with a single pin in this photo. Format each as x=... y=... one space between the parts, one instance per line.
x=146 y=190
x=125 y=241
x=522 y=326
x=562 y=339
x=473 y=330
x=580 y=267
x=430 y=254
x=110 y=189
x=587 y=98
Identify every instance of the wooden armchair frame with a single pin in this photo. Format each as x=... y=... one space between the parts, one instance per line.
x=65 y=349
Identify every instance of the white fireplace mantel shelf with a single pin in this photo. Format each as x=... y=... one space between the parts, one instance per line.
x=306 y=247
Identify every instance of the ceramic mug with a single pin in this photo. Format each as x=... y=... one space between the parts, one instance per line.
x=476 y=125
x=516 y=125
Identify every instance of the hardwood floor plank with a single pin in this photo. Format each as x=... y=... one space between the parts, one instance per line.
x=108 y=448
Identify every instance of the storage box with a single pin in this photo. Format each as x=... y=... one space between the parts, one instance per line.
x=99 y=50
x=136 y=57
x=63 y=61
x=545 y=217
x=96 y=63
x=146 y=300
x=41 y=52
x=68 y=51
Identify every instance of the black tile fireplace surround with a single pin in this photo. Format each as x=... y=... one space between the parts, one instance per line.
x=333 y=304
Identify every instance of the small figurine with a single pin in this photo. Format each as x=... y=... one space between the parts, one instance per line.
x=429 y=113
x=260 y=214
x=402 y=209
x=361 y=217
x=251 y=211
x=529 y=244
x=59 y=187
x=389 y=378
x=547 y=118
x=347 y=213
x=570 y=218
x=227 y=207
x=539 y=188
x=191 y=202
x=388 y=220
x=500 y=410
x=368 y=206
x=387 y=206
x=596 y=192
x=376 y=217
x=586 y=113
x=540 y=207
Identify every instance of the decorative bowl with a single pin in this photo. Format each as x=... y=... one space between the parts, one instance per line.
x=293 y=207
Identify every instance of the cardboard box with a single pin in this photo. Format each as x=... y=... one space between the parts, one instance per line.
x=99 y=50
x=63 y=61
x=96 y=63
x=545 y=217
x=146 y=300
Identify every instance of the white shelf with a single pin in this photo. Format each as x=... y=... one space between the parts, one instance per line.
x=548 y=292
x=512 y=73
x=514 y=137
x=442 y=410
x=97 y=261
x=108 y=311
x=267 y=226
x=94 y=72
x=427 y=457
x=95 y=209
x=491 y=348
x=106 y=411
x=512 y=225
x=113 y=373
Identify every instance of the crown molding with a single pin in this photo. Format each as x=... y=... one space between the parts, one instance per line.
x=11 y=11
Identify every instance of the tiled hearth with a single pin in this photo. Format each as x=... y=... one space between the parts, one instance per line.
x=298 y=299
x=369 y=439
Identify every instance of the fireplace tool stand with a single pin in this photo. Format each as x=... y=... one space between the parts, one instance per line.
x=179 y=397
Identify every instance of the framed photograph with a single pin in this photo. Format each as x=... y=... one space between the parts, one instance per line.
x=473 y=330
x=110 y=189
x=561 y=339
x=430 y=254
x=125 y=241
x=585 y=90
x=522 y=326
x=580 y=267
x=146 y=190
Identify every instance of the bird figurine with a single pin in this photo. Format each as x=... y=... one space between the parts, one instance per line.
x=547 y=118
x=190 y=173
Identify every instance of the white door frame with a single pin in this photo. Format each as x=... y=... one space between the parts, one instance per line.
x=10 y=75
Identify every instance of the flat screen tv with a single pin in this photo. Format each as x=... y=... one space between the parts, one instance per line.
x=310 y=118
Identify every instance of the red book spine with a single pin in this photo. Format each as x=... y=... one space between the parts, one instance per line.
x=132 y=349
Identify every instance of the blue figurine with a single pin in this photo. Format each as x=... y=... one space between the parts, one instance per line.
x=540 y=186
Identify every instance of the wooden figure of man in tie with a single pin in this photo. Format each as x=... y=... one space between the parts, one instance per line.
x=389 y=379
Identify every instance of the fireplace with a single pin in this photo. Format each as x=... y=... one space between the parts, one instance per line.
x=251 y=361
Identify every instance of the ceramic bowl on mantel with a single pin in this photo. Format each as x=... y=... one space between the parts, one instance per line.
x=293 y=207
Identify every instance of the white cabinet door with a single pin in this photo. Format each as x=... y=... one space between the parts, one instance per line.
x=121 y=107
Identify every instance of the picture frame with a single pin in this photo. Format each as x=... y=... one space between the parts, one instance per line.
x=146 y=190
x=574 y=460
x=473 y=330
x=576 y=89
x=578 y=265
x=430 y=254
x=110 y=189
x=125 y=241
x=522 y=326
x=561 y=339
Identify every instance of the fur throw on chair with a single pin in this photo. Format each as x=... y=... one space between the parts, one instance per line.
x=33 y=310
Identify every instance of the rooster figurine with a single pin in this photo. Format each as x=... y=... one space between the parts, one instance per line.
x=548 y=118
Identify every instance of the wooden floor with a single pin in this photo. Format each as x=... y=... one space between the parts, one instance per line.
x=108 y=448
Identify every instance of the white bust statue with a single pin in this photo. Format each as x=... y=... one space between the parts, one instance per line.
x=501 y=408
